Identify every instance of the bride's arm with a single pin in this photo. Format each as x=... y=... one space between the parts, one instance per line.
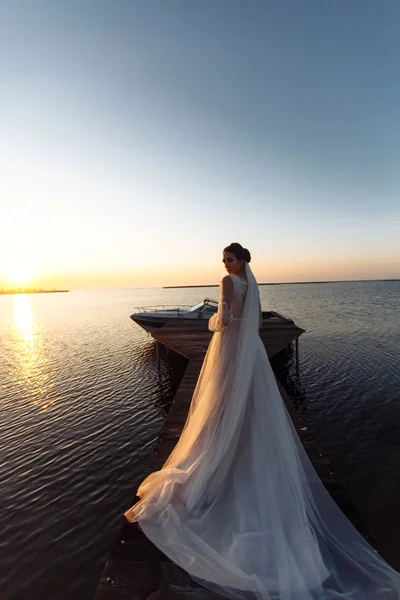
x=223 y=317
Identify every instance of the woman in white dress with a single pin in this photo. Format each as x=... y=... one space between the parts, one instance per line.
x=238 y=504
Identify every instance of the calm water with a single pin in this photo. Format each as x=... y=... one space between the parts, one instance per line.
x=83 y=398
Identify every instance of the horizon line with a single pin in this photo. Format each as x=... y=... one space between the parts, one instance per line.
x=165 y=287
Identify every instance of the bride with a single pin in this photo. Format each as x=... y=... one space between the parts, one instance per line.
x=238 y=504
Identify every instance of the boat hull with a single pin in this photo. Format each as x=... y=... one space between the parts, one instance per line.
x=149 y=324
x=152 y=322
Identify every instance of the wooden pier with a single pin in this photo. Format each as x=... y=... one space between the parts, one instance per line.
x=136 y=569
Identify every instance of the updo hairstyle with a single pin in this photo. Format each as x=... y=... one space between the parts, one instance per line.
x=238 y=251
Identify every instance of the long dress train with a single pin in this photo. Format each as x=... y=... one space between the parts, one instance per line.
x=238 y=504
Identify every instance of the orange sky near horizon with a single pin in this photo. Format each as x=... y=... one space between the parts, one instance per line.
x=207 y=274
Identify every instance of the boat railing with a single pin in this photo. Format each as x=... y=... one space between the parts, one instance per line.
x=162 y=308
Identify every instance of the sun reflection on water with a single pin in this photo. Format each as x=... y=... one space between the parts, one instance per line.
x=23 y=319
x=31 y=361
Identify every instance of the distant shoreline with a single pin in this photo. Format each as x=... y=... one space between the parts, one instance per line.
x=166 y=287
x=28 y=291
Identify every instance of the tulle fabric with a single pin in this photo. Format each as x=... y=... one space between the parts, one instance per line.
x=238 y=504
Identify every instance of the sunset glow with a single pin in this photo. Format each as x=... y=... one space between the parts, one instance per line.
x=19 y=275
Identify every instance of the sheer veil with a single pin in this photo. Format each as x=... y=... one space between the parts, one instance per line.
x=238 y=504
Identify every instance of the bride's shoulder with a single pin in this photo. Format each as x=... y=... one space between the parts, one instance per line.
x=227 y=280
x=233 y=277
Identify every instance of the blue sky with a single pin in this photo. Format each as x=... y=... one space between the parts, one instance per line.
x=138 y=138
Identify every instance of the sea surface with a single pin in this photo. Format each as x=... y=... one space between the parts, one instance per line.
x=83 y=396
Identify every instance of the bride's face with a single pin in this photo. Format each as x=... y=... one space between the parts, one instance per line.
x=232 y=264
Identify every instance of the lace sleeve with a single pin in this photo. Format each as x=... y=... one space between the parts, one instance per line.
x=223 y=317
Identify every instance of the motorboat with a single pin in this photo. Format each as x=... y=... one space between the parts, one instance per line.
x=152 y=318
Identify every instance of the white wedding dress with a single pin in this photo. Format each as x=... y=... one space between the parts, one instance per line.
x=238 y=504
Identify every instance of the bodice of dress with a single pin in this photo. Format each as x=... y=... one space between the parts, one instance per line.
x=233 y=290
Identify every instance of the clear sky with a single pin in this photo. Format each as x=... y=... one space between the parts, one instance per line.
x=139 y=137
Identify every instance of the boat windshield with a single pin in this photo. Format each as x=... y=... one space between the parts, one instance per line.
x=196 y=307
x=207 y=304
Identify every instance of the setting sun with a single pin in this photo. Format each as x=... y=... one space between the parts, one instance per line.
x=19 y=275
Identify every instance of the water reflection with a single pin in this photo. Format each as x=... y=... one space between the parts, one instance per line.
x=23 y=319
x=30 y=359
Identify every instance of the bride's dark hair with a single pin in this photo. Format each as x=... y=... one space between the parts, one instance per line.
x=238 y=251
